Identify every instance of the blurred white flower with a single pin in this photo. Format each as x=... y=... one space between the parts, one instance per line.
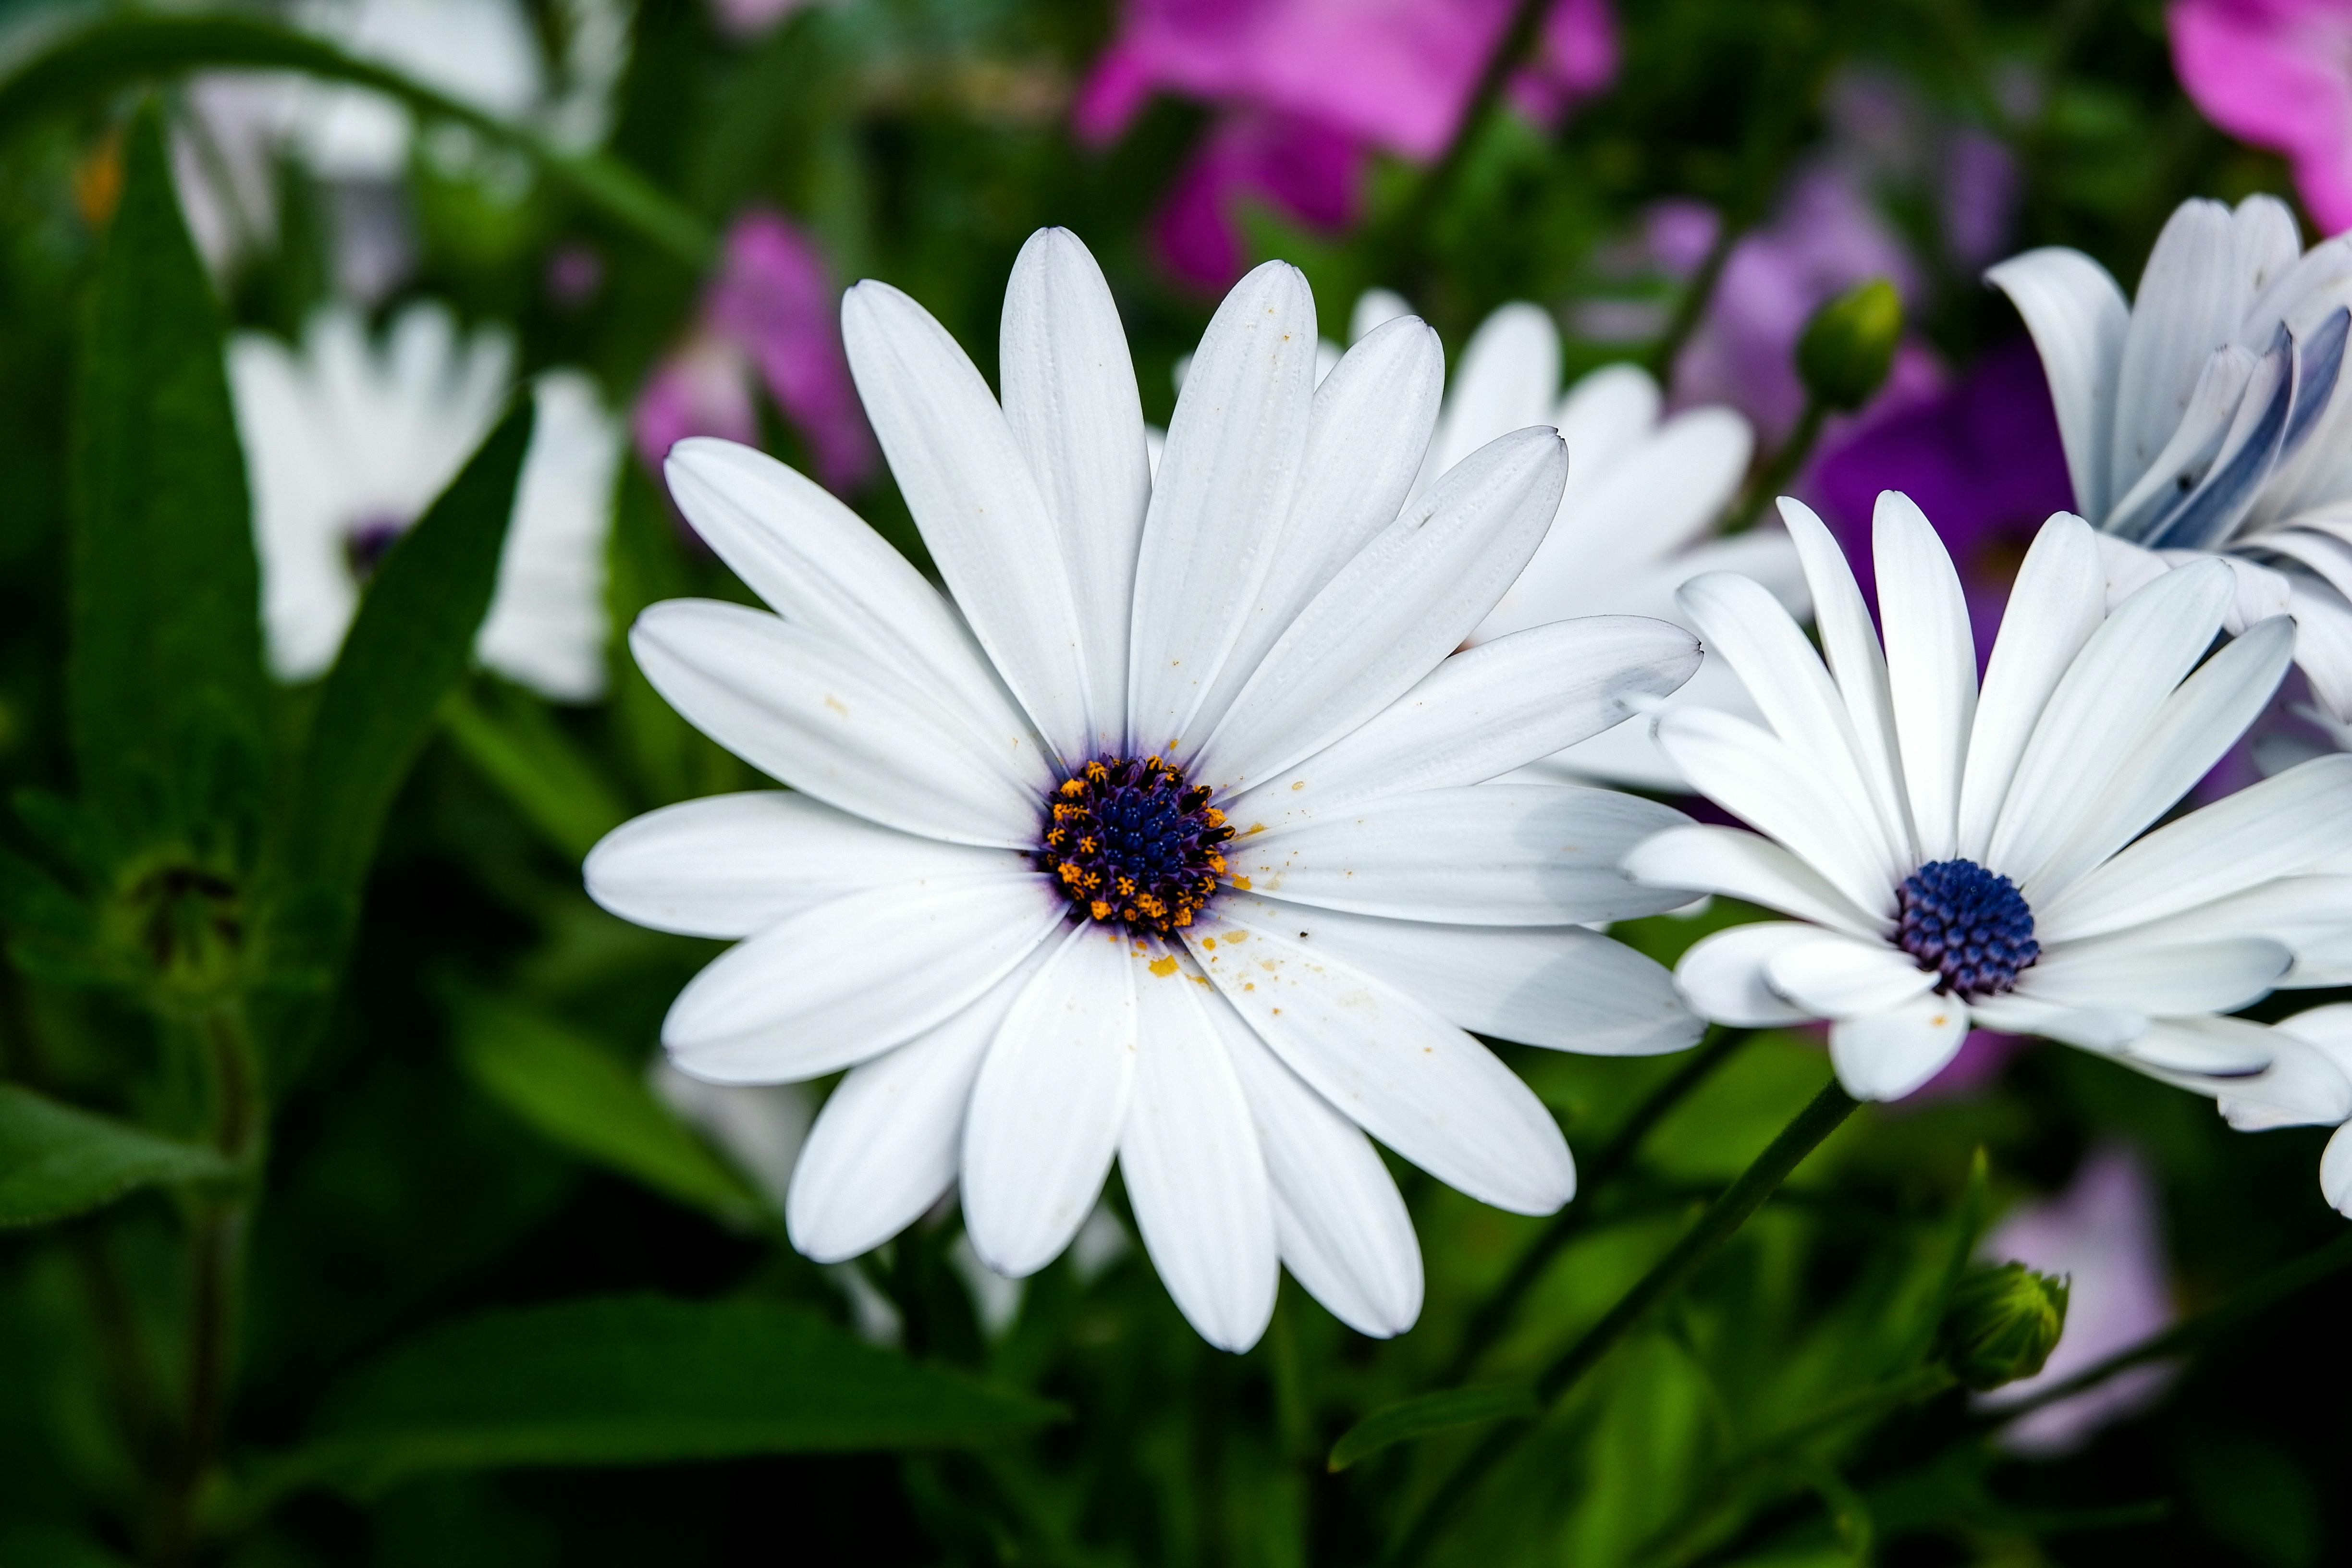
x=481 y=52
x=347 y=442
x=1956 y=863
x=2210 y=415
x=2105 y=1234
x=1644 y=494
x=1217 y=909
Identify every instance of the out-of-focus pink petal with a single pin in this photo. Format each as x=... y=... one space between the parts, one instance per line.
x=1308 y=171
x=2106 y=1231
x=1112 y=95
x=1575 y=59
x=774 y=298
x=703 y=389
x=2277 y=74
x=742 y=19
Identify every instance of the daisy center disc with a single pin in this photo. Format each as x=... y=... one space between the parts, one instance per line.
x=1969 y=925
x=1132 y=844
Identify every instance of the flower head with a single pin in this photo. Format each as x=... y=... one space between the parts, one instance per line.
x=347 y=441
x=1156 y=837
x=1954 y=855
x=2209 y=416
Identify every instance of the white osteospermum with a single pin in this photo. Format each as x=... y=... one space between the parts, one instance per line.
x=1156 y=840
x=346 y=443
x=1956 y=858
x=1642 y=493
x=2210 y=415
x=2309 y=1083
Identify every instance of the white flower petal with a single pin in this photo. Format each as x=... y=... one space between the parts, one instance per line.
x=1722 y=976
x=1497 y=855
x=821 y=567
x=1707 y=859
x=1387 y=1061
x=1219 y=500
x=1340 y=1222
x=1885 y=1056
x=977 y=504
x=1194 y=1170
x=2079 y=319
x=1931 y=667
x=849 y=979
x=2187 y=305
x=1071 y=403
x=840 y=726
x=1370 y=423
x=1604 y=418
x=2283 y=826
x=2311 y=915
x=1483 y=713
x=1393 y=613
x=2106 y=699
x=886 y=1145
x=546 y=627
x=1508 y=378
x=2057 y=602
x=1850 y=647
x=1375 y=308
x=1564 y=987
x=2336 y=1173
x=2323 y=643
x=2194 y=730
x=1049 y=1103
x=2301 y=1088
x=1800 y=702
x=2219 y=976
x=2227 y=1055
x=2093 y=1028
x=1835 y=976
x=731 y=865
x=1749 y=773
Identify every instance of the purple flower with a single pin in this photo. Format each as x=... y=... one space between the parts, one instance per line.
x=770 y=312
x=1310 y=89
x=2104 y=1232
x=1983 y=460
x=2277 y=74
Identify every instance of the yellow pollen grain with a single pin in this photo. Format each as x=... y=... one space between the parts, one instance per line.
x=1162 y=967
x=1241 y=882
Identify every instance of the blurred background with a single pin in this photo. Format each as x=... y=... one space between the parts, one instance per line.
x=1675 y=183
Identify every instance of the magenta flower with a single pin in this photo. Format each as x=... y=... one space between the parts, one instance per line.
x=2276 y=74
x=1310 y=89
x=770 y=312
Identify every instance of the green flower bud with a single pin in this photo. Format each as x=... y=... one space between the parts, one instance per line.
x=2002 y=1324
x=1849 y=344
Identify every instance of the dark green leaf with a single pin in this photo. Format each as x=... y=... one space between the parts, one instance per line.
x=575 y=1093
x=514 y=743
x=55 y=1161
x=87 y=64
x=1427 y=1413
x=635 y=1381
x=409 y=649
x=165 y=683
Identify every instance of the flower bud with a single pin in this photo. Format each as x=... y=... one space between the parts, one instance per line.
x=1848 y=345
x=2002 y=1324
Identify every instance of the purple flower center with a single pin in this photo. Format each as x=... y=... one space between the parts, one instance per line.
x=1133 y=845
x=367 y=541
x=1970 y=925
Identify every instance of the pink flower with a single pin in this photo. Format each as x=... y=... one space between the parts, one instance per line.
x=1311 y=89
x=2277 y=74
x=769 y=311
x=2104 y=1232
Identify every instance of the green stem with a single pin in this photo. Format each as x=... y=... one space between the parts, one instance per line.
x=1407 y=233
x=1497 y=1309
x=1692 y=307
x=1822 y=1116
x=1773 y=480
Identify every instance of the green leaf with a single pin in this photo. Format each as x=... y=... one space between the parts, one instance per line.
x=515 y=744
x=634 y=1380
x=575 y=1093
x=164 y=685
x=410 y=647
x=86 y=65
x=55 y=1161
x=1427 y=1413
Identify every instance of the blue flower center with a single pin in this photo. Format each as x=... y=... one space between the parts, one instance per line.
x=1133 y=845
x=1969 y=925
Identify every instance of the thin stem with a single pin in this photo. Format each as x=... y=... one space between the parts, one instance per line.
x=1407 y=232
x=1692 y=307
x=1825 y=1113
x=1784 y=466
x=2276 y=1285
x=1497 y=1310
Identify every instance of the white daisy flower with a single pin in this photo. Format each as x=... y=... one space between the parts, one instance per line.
x=1957 y=859
x=2209 y=416
x=346 y=443
x=1156 y=840
x=1642 y=493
